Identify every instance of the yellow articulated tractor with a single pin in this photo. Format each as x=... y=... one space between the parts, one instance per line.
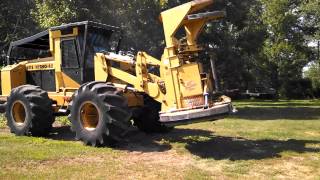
x=77 y=70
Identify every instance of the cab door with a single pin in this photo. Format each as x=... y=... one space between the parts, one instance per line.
x=70 y=61
x=64 y=46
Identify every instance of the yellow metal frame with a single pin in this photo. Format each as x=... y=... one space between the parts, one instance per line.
x=141 y=81
x=63 y=81
x=179 y=79
x=12 y=76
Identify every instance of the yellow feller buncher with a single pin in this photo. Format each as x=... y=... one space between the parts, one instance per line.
x=77 y=70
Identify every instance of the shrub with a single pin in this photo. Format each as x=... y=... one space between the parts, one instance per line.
x=297 y=89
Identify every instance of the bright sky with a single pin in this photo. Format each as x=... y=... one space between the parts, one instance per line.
x=313 y=44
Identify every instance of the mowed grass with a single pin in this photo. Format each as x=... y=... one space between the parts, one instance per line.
x=264 y=140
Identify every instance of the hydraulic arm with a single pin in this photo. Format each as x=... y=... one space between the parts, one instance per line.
x=182 y=87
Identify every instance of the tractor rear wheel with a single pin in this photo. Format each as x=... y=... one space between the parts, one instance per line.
x=99 y=114
x=147 y=117
x=29 y=111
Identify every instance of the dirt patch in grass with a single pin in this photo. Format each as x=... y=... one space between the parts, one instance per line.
x=4 y=130
x=170 y=157
x=82 y=159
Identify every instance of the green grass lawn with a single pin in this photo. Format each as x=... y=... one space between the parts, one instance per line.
x=265 y=140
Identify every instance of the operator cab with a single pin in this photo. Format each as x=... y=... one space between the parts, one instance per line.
x=71 y=47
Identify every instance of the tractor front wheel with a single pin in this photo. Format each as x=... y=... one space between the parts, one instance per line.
x=99 y=114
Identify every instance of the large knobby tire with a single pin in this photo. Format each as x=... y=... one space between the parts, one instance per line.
x=99 y=114
x=147 y=117
x=29 y=111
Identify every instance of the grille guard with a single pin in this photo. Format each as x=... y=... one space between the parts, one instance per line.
x=197 y=115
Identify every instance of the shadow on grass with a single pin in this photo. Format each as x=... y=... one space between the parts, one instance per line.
x=203 y=144
x=279 y=104
x=134 y=140
x=137 y=141
x=272 y=113
x=206 y=145
x=62 y=133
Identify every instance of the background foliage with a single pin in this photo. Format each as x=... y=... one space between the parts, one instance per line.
x=261 y=43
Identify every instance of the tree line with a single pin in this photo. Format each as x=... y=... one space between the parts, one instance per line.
x=260 y=43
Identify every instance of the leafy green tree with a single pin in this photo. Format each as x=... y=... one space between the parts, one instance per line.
x=258 y=43
x=15 y=21
x=313 y=73
x=237 y=41
x=53 y=13
x=138 y=19
x=311 y=17
x=285 y=47
x=310 y=20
